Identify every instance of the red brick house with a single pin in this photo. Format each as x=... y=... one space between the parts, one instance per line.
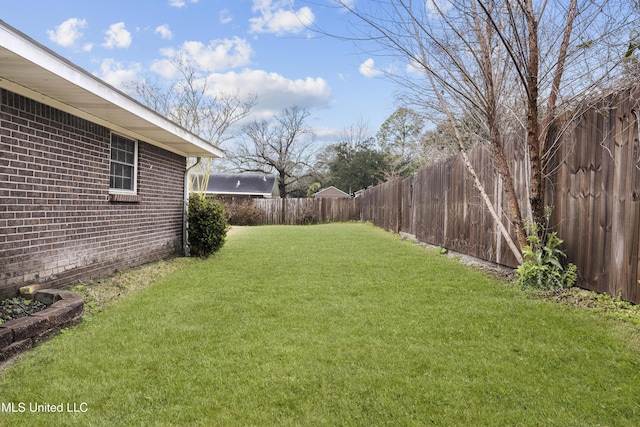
x=91 y=181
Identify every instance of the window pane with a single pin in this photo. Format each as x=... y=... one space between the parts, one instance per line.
x=122 y=167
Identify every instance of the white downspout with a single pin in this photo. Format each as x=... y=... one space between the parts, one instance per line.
x=185 y=236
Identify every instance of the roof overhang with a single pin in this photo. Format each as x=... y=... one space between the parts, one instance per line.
x=32 y=70
x=240 y=193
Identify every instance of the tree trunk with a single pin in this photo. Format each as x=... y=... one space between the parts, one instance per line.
x=495 y=137
x=550 y=119
x=536 y=198
x=282 y=184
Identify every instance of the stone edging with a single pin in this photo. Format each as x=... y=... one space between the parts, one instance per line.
x=17 y=335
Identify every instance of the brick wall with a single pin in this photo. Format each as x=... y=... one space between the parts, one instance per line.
x=57 y=222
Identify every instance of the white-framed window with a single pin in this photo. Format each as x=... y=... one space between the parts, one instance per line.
x=123 y=165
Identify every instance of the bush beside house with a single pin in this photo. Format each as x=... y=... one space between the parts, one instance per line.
x=208 y=225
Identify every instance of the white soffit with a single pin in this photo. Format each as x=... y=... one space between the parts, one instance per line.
x=32 y=70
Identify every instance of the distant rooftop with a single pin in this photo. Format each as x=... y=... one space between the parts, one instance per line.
x=249 y=184
x=331 y=192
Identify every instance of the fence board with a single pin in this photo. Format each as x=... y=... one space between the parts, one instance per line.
x=592 y=181
x=297 y=211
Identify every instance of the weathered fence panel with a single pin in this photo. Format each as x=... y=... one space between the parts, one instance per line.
x=406 y=209
x=592 y=182
x=298 y=211
x=383 y=205
x=596 y=193
x=441 y=205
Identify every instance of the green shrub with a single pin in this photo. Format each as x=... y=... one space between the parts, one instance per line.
x=207 y=226
x=542 y=267
x=244 y=214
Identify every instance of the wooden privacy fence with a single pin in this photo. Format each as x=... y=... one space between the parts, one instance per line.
x=593 y=183
x=299 y=211
x=440 y=205
x=596 y=193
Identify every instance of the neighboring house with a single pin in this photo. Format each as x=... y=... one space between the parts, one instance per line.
x=91 y=181
x=331 y=192
x=241 y=185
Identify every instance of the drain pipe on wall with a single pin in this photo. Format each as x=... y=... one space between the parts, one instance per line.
x=185 y=215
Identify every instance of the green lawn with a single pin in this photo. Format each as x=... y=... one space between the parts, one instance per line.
x=337 y=325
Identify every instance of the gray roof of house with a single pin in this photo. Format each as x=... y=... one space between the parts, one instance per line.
x=241 y=184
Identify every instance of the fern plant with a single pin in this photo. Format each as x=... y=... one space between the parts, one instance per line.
x=542 y=266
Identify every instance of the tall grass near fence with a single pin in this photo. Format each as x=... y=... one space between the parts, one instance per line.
x=338 y=324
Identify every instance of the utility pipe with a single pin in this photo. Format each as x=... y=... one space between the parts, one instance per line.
x=185 y=215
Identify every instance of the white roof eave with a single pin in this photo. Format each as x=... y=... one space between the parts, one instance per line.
x=32 y=70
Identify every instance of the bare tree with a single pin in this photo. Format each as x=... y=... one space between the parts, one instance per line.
x=283 y=144
x=189 y=103
x=510 y=66
x=356 y=134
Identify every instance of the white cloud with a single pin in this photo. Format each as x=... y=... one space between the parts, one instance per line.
x=332 y=135
x=273 y=90
x=67 y=33
x=164 y=68
x=218 y=55
x=345 y=4
x=117 y=36
x=164 y=32
x=181 y=3
x=116 y=74
x=414 y=67
x=368 y=68
x=438 y=7
x=274 y=18
x=225 y=16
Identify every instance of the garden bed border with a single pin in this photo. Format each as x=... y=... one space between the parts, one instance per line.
x=17 y=335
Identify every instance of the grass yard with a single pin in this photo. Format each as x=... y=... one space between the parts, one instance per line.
x=337 y=325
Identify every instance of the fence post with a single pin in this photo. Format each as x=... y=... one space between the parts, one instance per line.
x=399 y=203
x=283 y=217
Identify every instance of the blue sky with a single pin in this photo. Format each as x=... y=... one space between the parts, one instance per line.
x=258 y=46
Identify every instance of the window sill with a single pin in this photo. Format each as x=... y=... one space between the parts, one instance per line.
x=125 y=198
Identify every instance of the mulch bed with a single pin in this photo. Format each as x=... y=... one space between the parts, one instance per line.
x=14 y=308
